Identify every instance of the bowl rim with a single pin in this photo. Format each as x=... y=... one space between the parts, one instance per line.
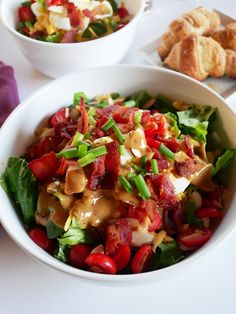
x=67 y=45
x=147 y=277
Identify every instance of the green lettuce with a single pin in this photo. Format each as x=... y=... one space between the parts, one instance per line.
x=224 y=160
x=21 y=186
x=166 y=254
x=195 y=121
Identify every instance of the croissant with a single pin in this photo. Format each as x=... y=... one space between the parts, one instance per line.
x=199 y=21
x=200 y=57
x=226 y=37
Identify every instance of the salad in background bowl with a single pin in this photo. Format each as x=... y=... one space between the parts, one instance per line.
x=120 y=184
x=91 y=33
x=63 y=21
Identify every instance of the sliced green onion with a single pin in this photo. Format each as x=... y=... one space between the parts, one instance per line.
x=91 y=121
x=87 y=136
x=83 y=142
x=130 y=103
x=86 y=160
x=154 y=166
x=118 y=133
x=131 y=175
x=137 y=117
x=102 y=104
x=139 y=169
x=78 y=137
x=83 y=149
x=115 y=95
x=78 y=96
x=91 y=111
x=69 y=153
x=166 y=152
x=144 y=161
x=109 y=124
x=99 y=151
x=122 y=150
x=142 y=186
x=125 y=183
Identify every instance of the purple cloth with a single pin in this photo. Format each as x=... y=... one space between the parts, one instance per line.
x=9 y=97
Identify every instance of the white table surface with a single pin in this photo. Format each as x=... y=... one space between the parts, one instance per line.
x=28 y=287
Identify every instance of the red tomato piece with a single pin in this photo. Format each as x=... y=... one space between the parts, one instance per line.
x=122 y=256
x=59 y=117
x=209 y=212
x=142 y=259
x=122 y=12
x=193 y=238
x=64 y=165
x=55 y=2
x=104 y=262
x=45 y=167
x=25 y=14
x=74 y=18
x=77 y=255
x=39 y=236
x=153 y=143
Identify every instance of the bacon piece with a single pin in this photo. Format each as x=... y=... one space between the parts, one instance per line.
x=117 y=234
x=64 y=164
x=97 y=173
x=112 y=164
x=165 y=191
x=44 y=168
x=151 y=207
x=185 y=168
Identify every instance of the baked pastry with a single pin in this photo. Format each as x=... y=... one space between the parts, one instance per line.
x=200 y=21
x=226 y=37
x=200 y=57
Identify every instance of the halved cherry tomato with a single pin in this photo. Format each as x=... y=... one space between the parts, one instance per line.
x=25 y=14
x=209 y=212
x=59 y=117
x=45 y=167
x=55 y=2
x=39 y=236
x=77 y=255
x=122 y=12
x=193 y=238
x=142 y=259
x=103 y=262
x=122 y=256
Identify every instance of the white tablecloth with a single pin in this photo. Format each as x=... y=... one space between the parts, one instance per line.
x=28 y=287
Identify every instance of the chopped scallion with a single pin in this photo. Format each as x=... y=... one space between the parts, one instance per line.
x=99 y=151
x=78 y=137
x=131 y=175
x=109 y=124
x=91 y=111
x=144 y=161
x=122 y=150
x=137 y=117
x=154 y=166
x=166 y=152
x=91 y=121
x=139 y=169
x=83 y=149
x=118 y=133
x=102 y=104
x=87 y=136
x=142 y=186
x=130 y=103
x=86 y=160
x=69 y=153
x=125 y=183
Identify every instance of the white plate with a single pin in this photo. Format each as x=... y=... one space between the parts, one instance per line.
x=225 y=86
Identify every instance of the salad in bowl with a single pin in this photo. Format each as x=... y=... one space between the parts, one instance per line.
x=119 y=184
x=63 y=21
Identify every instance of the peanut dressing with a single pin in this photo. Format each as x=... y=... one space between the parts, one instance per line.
x=95 y=207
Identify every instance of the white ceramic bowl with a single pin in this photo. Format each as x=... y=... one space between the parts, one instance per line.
x=55 y=60
x=17 y=133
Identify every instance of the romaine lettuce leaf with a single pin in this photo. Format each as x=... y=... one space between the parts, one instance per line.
x=21 y=186
x=224 y=160
x=195 y=120
x=75 y=235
